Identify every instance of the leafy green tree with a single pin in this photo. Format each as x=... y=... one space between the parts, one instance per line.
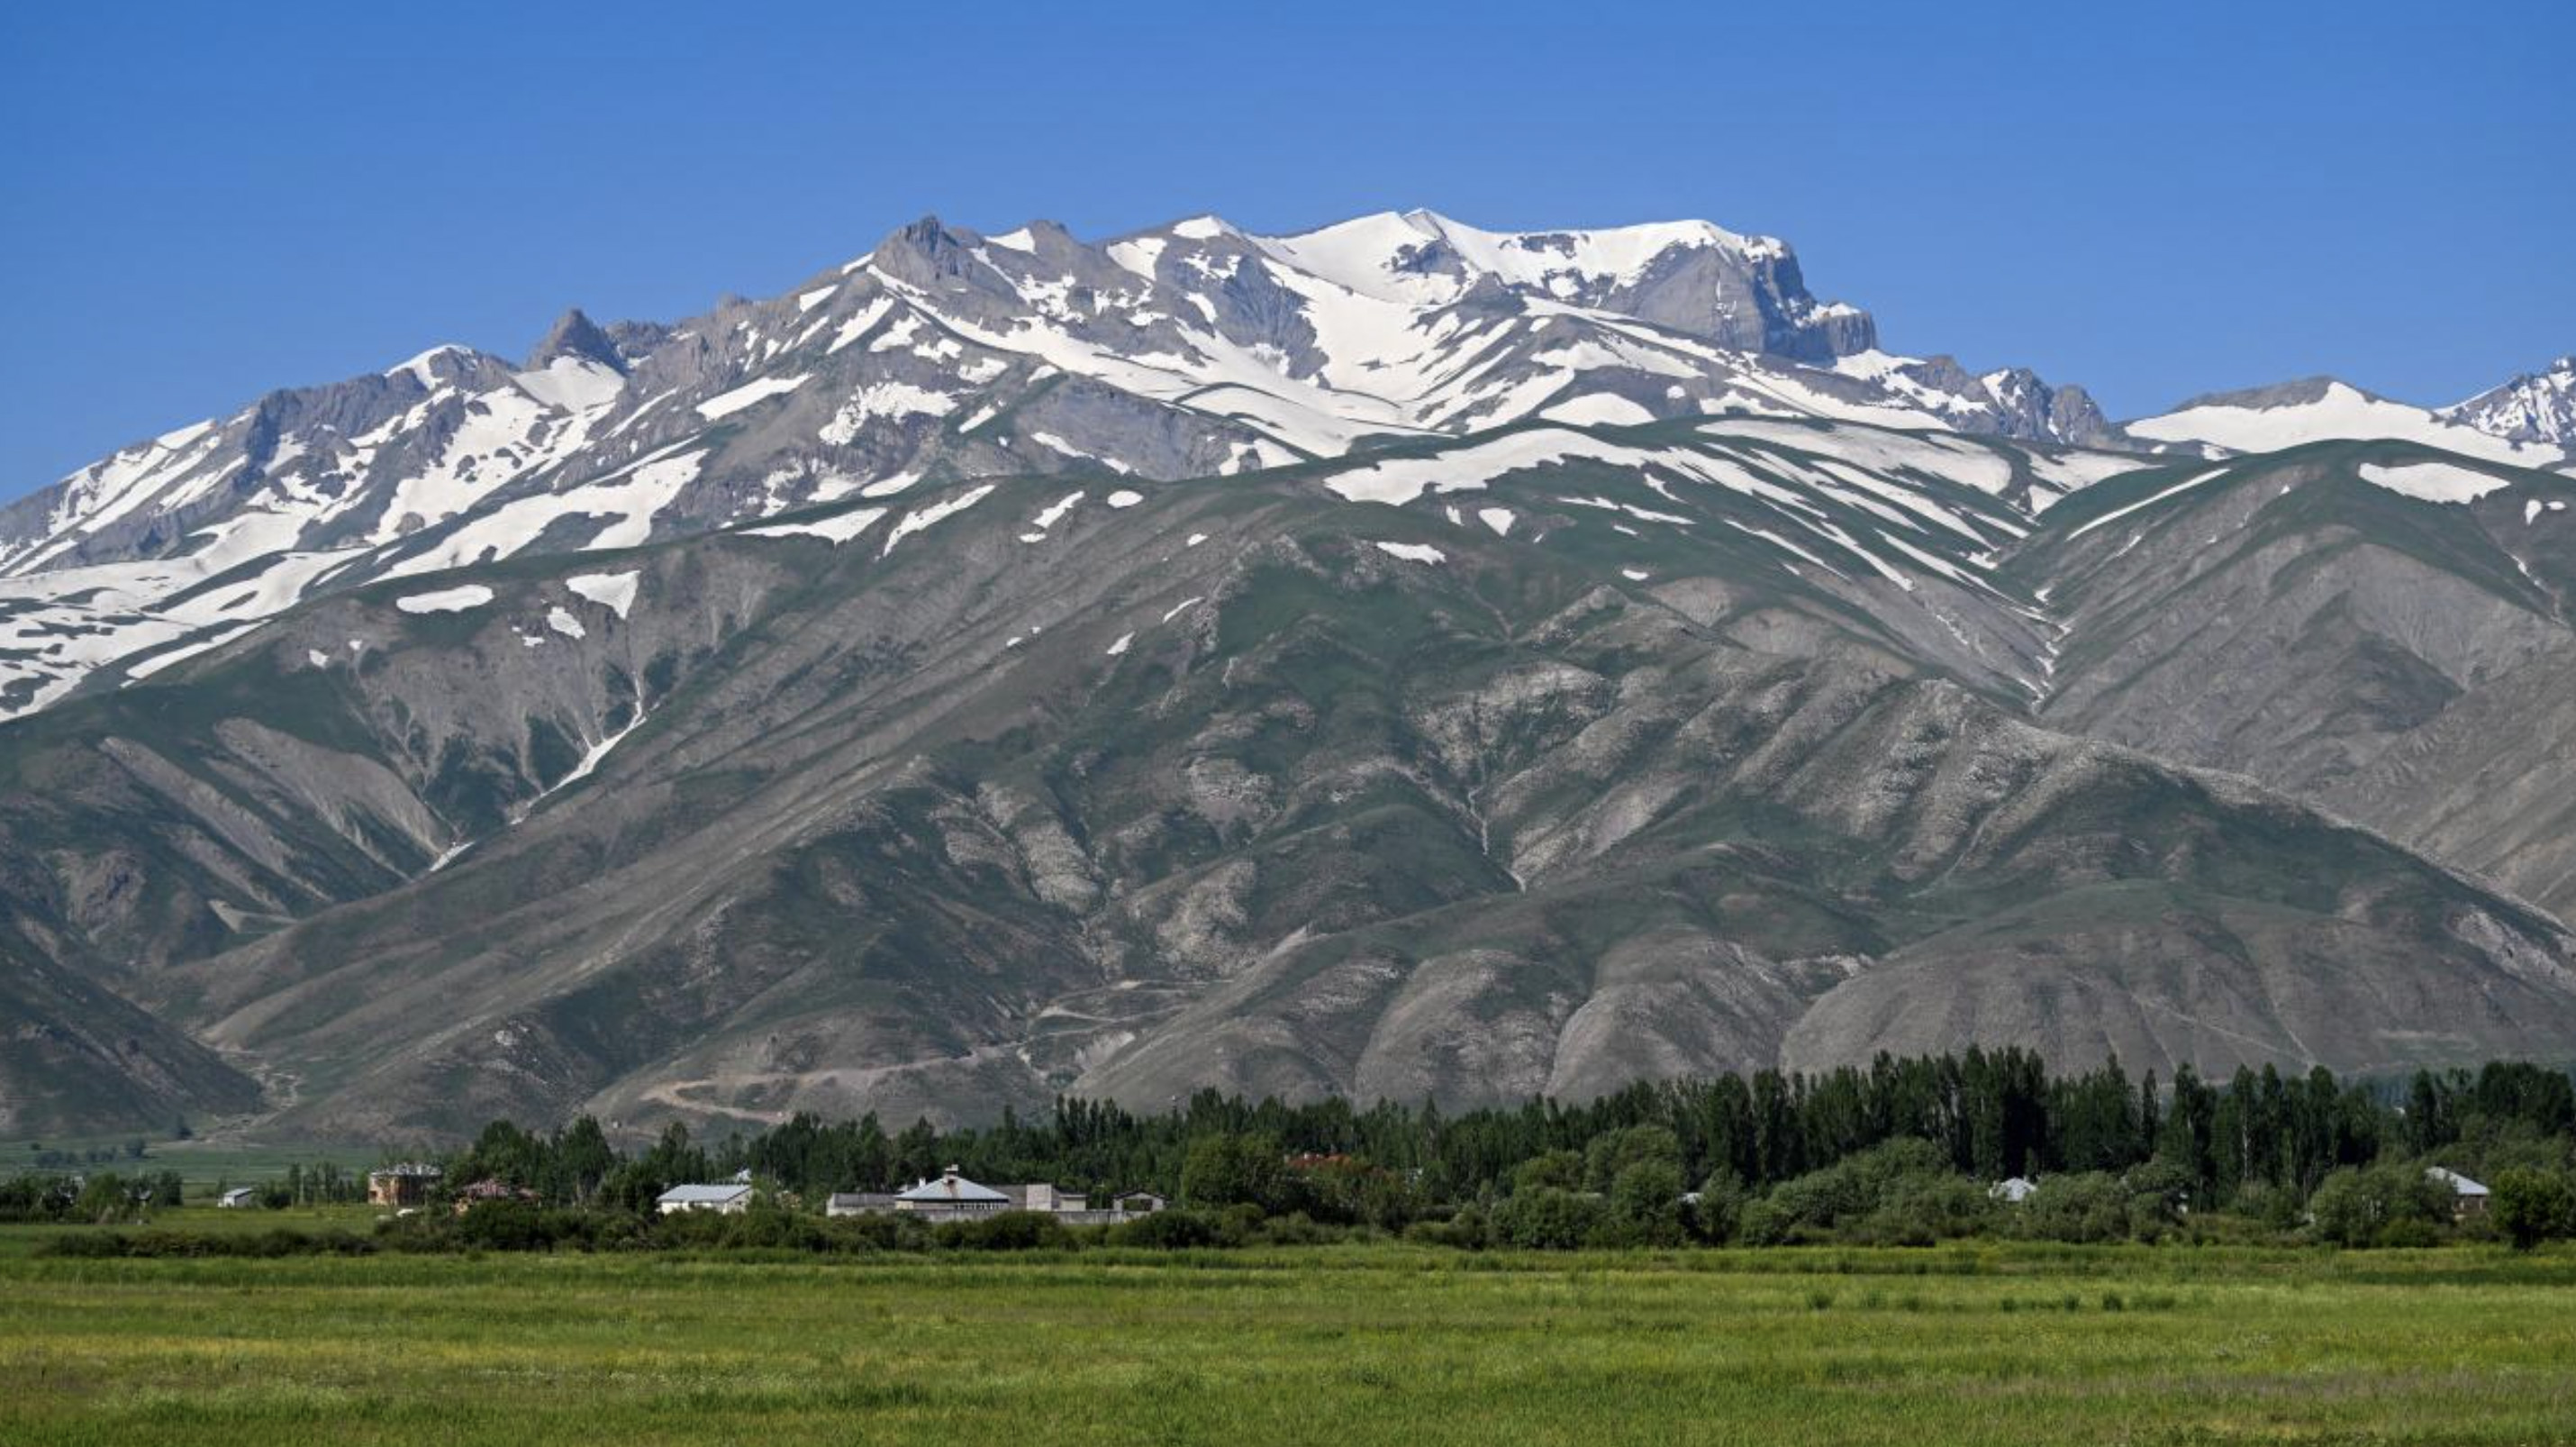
x=916 y=1151
x=1719 y=1212
x=583 y=1158
x=2161 y=1193
x=105 y=1198
x=1388 y=1201
x=2533 y=1206
x=1546 y=1219
x=1645 y=1207
x=1609 y=1156
x=2360 y=1206
x=1232 y=1170
x=674 y=1159
x=2084 y=1207
x=503 y=1152
x=1820 y=1202
x=1550 y=1171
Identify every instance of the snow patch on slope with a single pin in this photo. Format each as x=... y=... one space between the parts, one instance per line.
x=914 y=522
x=446 y=600
x=612 y=591
x=1412 y=552
x=725 y=404
x=2431 y=481
x=836 y=530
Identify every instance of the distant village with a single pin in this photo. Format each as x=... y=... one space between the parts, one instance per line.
x=1909 y=1153
x=950 y=1196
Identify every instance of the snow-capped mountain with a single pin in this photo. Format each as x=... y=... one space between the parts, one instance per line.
x=2536 y=407
x=2506 y=425
x=1397 y=661
x=1194 y=349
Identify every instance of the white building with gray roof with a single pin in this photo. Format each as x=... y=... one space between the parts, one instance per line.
x=730 y=1198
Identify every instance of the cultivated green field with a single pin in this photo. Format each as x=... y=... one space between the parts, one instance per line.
x=1330 y=1345
x=201 y=1163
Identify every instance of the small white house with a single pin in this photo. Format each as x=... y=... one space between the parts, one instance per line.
x=730 y=1199
x=238 y=1198
x=2468 y=1197
x=2014 y=1190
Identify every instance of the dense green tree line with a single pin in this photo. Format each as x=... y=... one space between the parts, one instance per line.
x=2131 y=1151
x=1899 y=1150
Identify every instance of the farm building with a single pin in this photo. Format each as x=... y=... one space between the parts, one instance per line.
x=731 y=1198
x=489 y=1189
x=1041 y=1196
x=1137 y=1203
x=2468 y=1198
x=2014 y=1191
x=950 y=1198
x=405 y=1184
x=238 y=1198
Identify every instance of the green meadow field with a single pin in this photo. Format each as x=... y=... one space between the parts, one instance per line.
x=1393 y=1344
x=201 y=1163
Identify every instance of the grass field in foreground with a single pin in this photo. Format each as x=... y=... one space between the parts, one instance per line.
x=1338 y=1345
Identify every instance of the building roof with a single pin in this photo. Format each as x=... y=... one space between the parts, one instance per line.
x=2016 y=1188
x=239 y=1193
x=713 y=1195
x=953 y=1188
x=862 y=1198
x=2453 y=1179
x=408 y=1168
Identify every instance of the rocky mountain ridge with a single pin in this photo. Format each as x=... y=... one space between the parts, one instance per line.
x=1395 y=660
x=1538 y=759
x=1188 y=350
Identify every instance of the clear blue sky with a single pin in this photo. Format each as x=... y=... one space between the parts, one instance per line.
x=198 y=203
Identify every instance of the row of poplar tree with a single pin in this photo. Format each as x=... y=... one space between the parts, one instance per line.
x=1989 y=1114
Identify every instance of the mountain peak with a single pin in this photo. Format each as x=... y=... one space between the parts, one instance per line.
x=2538 y=407
x=447 y=360
x=2297 y=392
x=1206 y=226
x=923 y=253
x=576 y=335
